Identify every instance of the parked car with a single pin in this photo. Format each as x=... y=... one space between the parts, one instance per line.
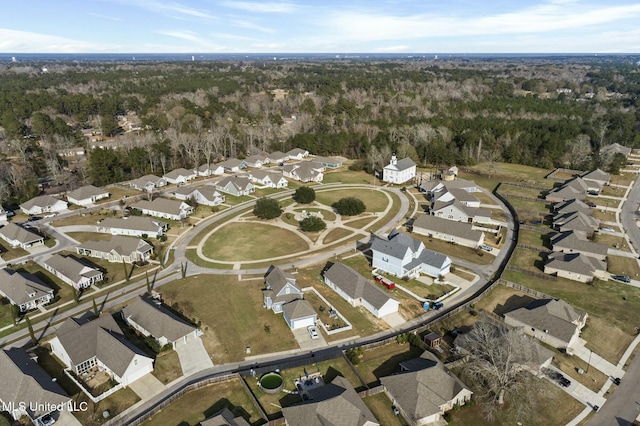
x=590 y=204
x=47 y=420
x=596 y=407
x=10 y=213
x=34 y=218
x=607 y=229
x=313 y=332
x=49 y=215
x=621 y=278
x=395 y=410
x=485 y=247
x=436 y=305
x=617 y=381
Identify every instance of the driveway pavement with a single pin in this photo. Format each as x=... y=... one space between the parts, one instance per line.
x=306 y=342
x=579 y=391
x=394 y=319
x=193 y=356
x=147 y=387
x=594 y=360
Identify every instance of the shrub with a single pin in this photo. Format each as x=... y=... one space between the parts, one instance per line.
x=304 y=195
x=312 y=224
x=349 y=206
x=267 y=208
x=357 y=166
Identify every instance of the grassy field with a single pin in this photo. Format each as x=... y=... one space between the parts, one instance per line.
x=9 y=253
x=455 y=250
x=528 y=259
x=335 y=235
x=89 y=218
x=197 y=405
x=228 y=331
x=166 y=367
x=509 y=190
x=619 y=265
x=613 y=191
x=611 y=241
x=348 y=176
x=533 y=238
x=192 y=255
x=605 y=216
x=380 y=405
x=384 y=361
x=501 y=172
x=360 y=223
x=375 y=201
x=532 y=208
x=272 y=404
x=569 y=364
x=502 y=299
x=251 y=241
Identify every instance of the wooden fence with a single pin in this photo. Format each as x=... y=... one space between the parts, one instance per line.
x=532 y=273
x=534 y=248
x=524 y=289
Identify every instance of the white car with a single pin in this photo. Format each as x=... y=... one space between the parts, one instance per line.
x=486 y=247
x=50 y=215
x=607 y=229
x=313 y=332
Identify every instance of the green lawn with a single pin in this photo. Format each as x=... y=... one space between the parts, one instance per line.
x=375 y=201
x=348 y=176
x=251 y=241
x=528 y=259
x=9 y=253
x=384 y=361
x=611 y=241
x=192 y=255
x=619 y=265
x=380 y=405
x=360 y=223
x=228 y=331
x=455 y=250
x=533 y=238
x=89 y=218
x=197 y=405
x=6 y=317
x=166 y=367
x=232 y=200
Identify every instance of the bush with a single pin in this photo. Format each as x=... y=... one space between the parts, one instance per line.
x=267 y=208
x=357 y=166
x=304 y=195
x=312 y=224
x=349 y=206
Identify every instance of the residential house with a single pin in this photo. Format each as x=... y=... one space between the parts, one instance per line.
x=257 y=160
x=87 y=195
x=205 y=195
x=328 y=162
x=180 y=176
x=148 y=183
x=432 y=186
x=448 y=195
x=278 y=157
x=164 y=208
x=576 y=221
x=236 y=185
x=573 y=189
x=24 y=290
x=575 y=266
x=358 y=291
x=233 y=165
x=576 y=242
x=118 y=249
x=99 y=345
x=448 y=230
x=150 y=318
x=281 y=294
x=404 y=256
x=399 y=172
x=224 y=417
x=26 y=389
x=3 y=214
x=72 y=271
x=596 y=179
x=333 y=404
x=210 y=169
x=424 y=390
x=555 y=322
x=17 y=236
x=455 y=210
x=572 y=206
x=139 y=226
x=268 y=179
x=297 y=154
x=304 y=171
x=43 y=204
x=613 y=149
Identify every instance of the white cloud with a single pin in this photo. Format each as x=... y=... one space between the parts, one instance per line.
x=200 y=43
x=31 y=42
x=251 y=26
x=173 y=10
x=261 y=7
x=107 y=17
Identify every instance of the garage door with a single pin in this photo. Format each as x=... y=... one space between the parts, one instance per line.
x=303 y=323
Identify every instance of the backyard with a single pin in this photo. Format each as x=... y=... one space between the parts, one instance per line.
x=384 y=361
x=455 y=250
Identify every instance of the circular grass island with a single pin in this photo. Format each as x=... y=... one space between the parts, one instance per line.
x=271 y=383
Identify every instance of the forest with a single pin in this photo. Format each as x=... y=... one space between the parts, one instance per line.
x=544 y=112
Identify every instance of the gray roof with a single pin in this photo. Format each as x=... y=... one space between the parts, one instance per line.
x=575 y=188
x=231 y=162
x=257 y=157
x=556 y=316
x=575 y=241
x=461 y=195
x=327 y=160
x=20 y=234
x=24 y=380
x=277 y=155
x=210 y=166
x=224 y=418
x=209 y=192
x=71 y=268
x=85 y=192
x=423 y=387
x=403 y=164
x=120 y=244
x=575 y=262
x=428 y=186
x=174 y=174
x=355 y=285
x=578 y=221
x=445 y=226
x=305 y=170
x=397 y=245
x=157 y=320
x=596 y=175
x=241 y=183
x=22 y=287
x=40 y=201
x=274 y=175
x=469 y=211
x=276 y=279
x=144 y=180
x=334 y=404
x=571 y=206
x=615 y=148
x=137 y=223
x=297 y=151
x=298 y=308
x=101 y=338
x=163 y=205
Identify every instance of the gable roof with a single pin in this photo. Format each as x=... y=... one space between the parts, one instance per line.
x=575 y=262
x=71 y=268
x=101 y=338
x=274 y=176
x=445 y=226
x=162 y=205
x=209 y=192
x=571 y=206
x=22 y=287
x=40 y=201
x=578 y=221
x=596 y=175
x=85 y=192
x=305 y=170
x=137 y=223
x=404 y=164
x=231 y=163
x=145 y=180
x=157 y=320
x=397 y=244
x=297 y=151
x=334 y=404
x=423 y=387
x=20 y=234
x=241 y=183
x=24 y=380
x=575 y=241
x=276 y=278
x=557 y=317
x=469 y=211
x=277 y=155
x=175 y=174
x=120 y=244
x=355 y=285
x=615 y=148
x=224 y=418
x=211 y=166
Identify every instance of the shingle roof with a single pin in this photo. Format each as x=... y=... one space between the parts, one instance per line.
x=120 y=244
x=157 y=320
x=451 y=227
x=144 y=180
x=556 y=316
x=22 y=287
x=241 y=183
x=40 y=201
x=211 y=166
x=71 y=267
x=276 y=279
x=469 y=211
x=138 y=223
x=596 y=175
x=275 y=176
x=574 y=241
x=224 y=418
x=397 y=245
x=570 y=206
x=578 y=221
x=403 y=164
x=162 y=205
x=355 y=285
x=296 y=151
x=298 y=308
x=174 y=174
x=334 y=404
x=231 y=162
x=24 y=380
x=20 y=234
x=615 y=148
x=85 y=192
x=575 y=262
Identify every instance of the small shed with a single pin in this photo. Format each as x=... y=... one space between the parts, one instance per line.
x=433 y=340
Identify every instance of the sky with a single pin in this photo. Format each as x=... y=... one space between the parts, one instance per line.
x=320 y=26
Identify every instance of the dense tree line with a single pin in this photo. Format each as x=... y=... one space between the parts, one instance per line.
x=540 y=112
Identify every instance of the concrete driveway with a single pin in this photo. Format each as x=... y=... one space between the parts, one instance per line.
x=147 y=387
x=306 y=342
x=394 y=319
x=193 y=356
x=578 y=391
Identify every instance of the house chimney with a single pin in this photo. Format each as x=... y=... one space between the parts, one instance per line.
x=394 y=160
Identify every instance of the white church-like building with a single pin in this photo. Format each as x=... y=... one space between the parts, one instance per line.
x=399 y=172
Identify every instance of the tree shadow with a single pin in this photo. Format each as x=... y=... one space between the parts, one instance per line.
x=392 y=364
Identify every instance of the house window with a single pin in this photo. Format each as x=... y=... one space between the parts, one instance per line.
x=385 y=259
